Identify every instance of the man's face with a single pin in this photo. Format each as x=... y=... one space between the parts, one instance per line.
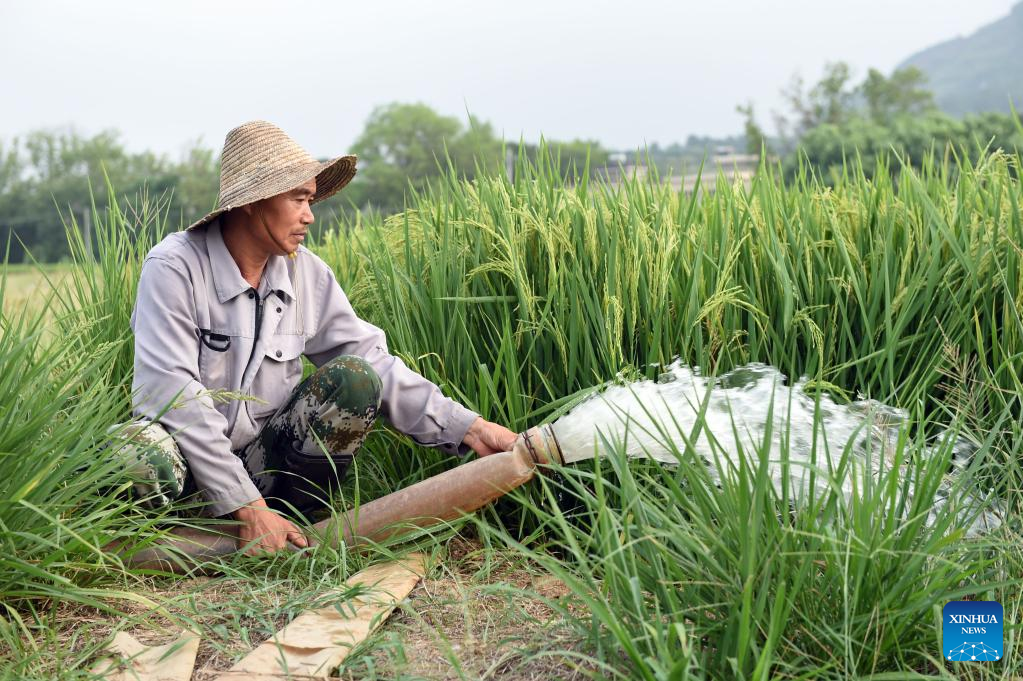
x=286 y=217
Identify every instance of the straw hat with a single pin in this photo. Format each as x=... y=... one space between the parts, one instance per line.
x=260 y=161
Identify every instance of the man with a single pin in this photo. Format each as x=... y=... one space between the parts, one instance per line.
x=226 y=309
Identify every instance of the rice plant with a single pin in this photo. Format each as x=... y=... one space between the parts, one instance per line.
x=521 y=297
x=61 y=500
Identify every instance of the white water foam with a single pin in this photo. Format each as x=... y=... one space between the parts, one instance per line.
x=737 y=415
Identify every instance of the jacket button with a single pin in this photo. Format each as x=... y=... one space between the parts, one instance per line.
x=278 y=309
x=279 y=353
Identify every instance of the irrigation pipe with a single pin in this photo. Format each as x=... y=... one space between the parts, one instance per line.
x=430 y=502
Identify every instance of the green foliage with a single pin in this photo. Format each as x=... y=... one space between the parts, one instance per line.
x=827 y=102
x=97 y=299
x=519 y=297
x=834 y=100
x=406 y=147
x=47 y=178
x=688 y=579
x=538 y=289
x=410 y=143
x=61 y=500
x=48 y=174
x=891 y=120
x=571 y=160
x=66 y=360
x=908 y=139
x=903 y=94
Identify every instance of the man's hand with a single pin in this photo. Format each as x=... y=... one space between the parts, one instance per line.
x=272 y=531
x=489 y=438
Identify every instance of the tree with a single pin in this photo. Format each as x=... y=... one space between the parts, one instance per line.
x=834 y=122
x=49 y=172
x=909 y=136
x=197 y=183
x=408 y=144
x=904 y=93
x=828 y=101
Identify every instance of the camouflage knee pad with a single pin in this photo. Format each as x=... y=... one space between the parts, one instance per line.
x=305 y=447
x=152 y=459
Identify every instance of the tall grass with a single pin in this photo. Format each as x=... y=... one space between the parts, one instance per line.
x=61 y=499
x=689 y=579
x=65 y=378
x=97 y=300
x=864 y=283
x=519 y=296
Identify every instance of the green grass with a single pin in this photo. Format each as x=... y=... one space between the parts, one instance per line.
x=905 y=289
x=518 y=298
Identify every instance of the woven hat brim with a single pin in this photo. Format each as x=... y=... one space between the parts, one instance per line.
x=331 y=177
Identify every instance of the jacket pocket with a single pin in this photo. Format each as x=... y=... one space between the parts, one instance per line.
x=278 y=375
x=217 y=342
x=215 y=359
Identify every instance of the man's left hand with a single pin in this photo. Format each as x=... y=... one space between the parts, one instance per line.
x=489 y=438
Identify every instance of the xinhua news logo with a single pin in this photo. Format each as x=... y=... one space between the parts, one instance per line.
x=971 y=631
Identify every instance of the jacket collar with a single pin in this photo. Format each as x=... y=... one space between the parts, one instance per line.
x=275 y=275
x=227 y=278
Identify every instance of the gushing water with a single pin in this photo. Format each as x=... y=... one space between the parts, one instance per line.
x=738 y=409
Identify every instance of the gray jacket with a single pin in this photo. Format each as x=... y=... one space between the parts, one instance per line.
x=194 y=324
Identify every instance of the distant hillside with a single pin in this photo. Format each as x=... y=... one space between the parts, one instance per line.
x=979 y=72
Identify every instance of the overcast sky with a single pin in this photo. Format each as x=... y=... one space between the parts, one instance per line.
x=624 y=73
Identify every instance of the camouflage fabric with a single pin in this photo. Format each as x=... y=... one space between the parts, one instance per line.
x=152 y=459
x=336 y=405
